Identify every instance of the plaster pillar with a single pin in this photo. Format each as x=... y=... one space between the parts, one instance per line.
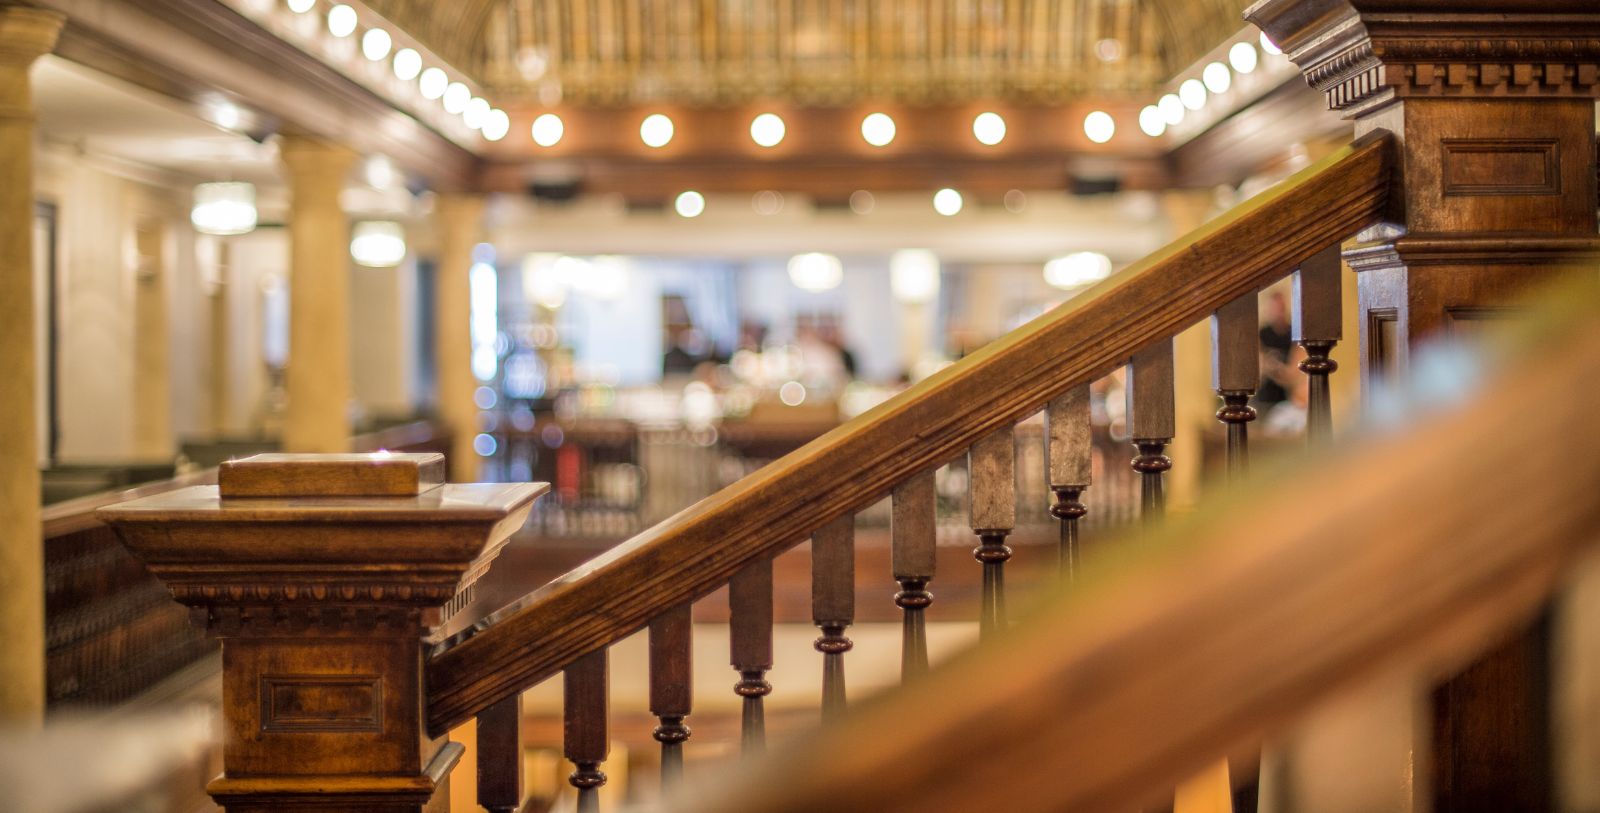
x=25 y=35
x=318 y=373
x=459 y=220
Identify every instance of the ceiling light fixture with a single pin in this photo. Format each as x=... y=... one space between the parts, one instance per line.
x=477 y=112
x=1171 y=107
x=1192 y=93
x=496 y=125
x=341 y=21
x=1151 y=121
x=877 y=129
x=815 y=272
x=301 y=6
x=656 y=130
x=224 y=208
x=547 y=130
x=1217 y=78
x=1269 y=46
x=989 y=128
x=767 y=129
x=914 y=275
x=433 y=83
x=456 y=98
x=407 y=64
x=947 y=202
x=375 y=44
x=1099 y=126
x=689 y=204
x=1077 y=269
x=1242 y=56
x=377 y=243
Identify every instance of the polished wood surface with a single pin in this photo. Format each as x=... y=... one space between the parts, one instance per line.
x=1152 y=421
x=1317 y=325
x=913 y=542
x=500 y=756
x=833 y=599
x=375 y=474
x=671 y=687
x=698 y=550
x=585 y=706
x=1130 y=686
x=1235 y=373
x=750 y=649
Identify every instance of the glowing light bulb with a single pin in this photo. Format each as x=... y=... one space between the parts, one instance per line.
x=496 y=125
x=341 y=20
x=456 y=98
x=1217 y=78
x=1192 y=93
x=947 y=202
x=1099 y=126
x=375 y=44
x=477 y=112
x=1171 y=107
x=407 y=64
x=767 y=129
x=689 y=204
x=989 y=128
x=1242 y=56
x=656 y=130
x=548 y=129
x=1151 y=121
x=433 y=83
x=1269 y=46
x=877 y=129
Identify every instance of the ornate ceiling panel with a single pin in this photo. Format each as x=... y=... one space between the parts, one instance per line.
x=815 y=51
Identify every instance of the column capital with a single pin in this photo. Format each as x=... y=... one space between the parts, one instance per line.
x=1365 y=54
x=309 y=158
x=27 y=33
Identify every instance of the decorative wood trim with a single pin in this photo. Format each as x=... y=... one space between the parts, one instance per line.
x=321 y=704
x=1502 y=178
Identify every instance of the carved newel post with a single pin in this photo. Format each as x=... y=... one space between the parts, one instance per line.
x=1492 y=103
x=321 y=574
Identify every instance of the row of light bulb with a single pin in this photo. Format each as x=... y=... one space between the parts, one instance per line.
x=947 y=202
x=432 y=82
x=768 y=129
x=1215 y=78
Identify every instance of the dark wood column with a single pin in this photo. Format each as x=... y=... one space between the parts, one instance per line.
x=1493 y=106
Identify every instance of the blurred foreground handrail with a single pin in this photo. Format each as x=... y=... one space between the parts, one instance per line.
x=1415 y=550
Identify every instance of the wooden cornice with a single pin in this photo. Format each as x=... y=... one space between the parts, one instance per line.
x=197 y=50
x=1365 y=53
x=701 y=548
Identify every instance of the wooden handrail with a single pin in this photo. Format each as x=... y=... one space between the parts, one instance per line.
x=699 y=549
x=1385 y=557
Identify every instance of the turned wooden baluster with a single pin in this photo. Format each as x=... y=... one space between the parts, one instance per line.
x=500 y=756
x=1317 y=328
x=833 y=604
x=750 y=623
x=912 y=538
x=584 y=726
x=1151 y=422
x=1235 y=372
x=1069 y=462
x=671 y=652
x=992 y=513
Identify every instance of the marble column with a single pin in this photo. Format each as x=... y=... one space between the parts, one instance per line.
x=318 y=374
x=459 y=220
x=25 y=35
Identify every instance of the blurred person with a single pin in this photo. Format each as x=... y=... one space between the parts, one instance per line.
x=1276 y=343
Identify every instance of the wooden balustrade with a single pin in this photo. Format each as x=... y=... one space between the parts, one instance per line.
x=500 y=756
x=1069 y=460
x=913 y=536
x=833 y=599
x=1231 y=622
x=750 y=642
x=895 y=447
x=1151 y=423
x=585 y=696
x=1317 y=327
x=1235 y=373
x=672 y=687
x=992 y=513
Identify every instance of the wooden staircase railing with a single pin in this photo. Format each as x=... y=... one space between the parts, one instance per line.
x=1232 y=622
x=969 y=408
